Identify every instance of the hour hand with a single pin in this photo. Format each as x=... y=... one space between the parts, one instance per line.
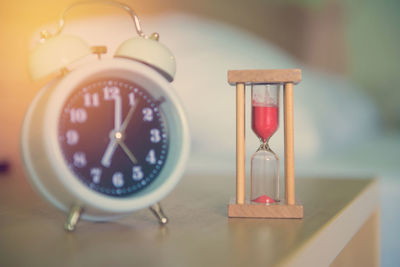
x=106 y=159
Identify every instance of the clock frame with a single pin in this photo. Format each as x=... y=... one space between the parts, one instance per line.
x=45 y=162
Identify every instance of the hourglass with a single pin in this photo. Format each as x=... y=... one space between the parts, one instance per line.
x=265 y=200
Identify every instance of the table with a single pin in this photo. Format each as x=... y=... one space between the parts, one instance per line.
x=340 y=225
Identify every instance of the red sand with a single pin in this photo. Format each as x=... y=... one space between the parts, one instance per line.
x=264 y=121
x=264 y=199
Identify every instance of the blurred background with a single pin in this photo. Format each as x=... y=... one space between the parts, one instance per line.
x=347 y=116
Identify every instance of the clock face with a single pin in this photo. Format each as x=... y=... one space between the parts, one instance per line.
x=113 y=136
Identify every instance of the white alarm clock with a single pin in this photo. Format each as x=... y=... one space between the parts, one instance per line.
x=107 y=137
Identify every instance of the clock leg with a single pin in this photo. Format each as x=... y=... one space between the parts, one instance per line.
x=159 y=213
x=73 y=218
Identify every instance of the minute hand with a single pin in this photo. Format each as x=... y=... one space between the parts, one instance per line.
x=117 y=113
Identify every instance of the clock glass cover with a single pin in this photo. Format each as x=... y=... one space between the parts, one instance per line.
x=113 y=136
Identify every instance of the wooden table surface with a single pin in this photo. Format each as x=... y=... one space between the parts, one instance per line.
x=199 y=232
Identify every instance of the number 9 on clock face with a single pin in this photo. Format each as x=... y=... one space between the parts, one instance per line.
x=113 y=136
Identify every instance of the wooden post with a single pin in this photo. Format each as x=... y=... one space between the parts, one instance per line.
x=289 y=143
x=240 y=144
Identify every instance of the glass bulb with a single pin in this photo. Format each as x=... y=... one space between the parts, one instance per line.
x=265 y=110
x=265 y=163
x=265 y=177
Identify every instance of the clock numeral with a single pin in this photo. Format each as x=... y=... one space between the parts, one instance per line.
x=151 y=157
x=137 y=173
x=91 y=100
x=131 y=99
x=96 y=174
x=110 y=92
x=72 y=137
x=78 y=115
x=79 y=159
x=118 y=179
x=147 y=114
x=155 y=136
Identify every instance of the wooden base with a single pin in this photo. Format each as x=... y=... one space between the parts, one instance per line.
x=249 y=210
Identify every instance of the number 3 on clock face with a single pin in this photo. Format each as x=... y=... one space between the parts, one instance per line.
x=113 y=136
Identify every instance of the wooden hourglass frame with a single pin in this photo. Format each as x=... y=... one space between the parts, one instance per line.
x=242 y=207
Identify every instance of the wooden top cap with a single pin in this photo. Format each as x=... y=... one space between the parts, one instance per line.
x=264 y=76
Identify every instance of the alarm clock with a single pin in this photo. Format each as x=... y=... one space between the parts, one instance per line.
x=107 y=136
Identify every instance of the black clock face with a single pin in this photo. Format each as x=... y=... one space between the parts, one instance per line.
x=113 y=136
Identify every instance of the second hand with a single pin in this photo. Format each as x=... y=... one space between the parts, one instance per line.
x=127 y=151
